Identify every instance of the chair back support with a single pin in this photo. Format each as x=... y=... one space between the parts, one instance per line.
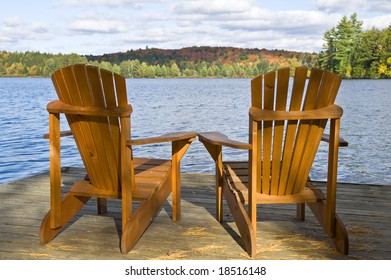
x=97 y=137
x=287 y=149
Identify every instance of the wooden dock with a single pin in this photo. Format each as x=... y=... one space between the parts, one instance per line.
x=365 y=209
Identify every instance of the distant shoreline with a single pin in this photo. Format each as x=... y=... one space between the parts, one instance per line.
x=179 y=78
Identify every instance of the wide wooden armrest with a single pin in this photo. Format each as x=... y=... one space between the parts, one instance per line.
x=57 y=107
x=329 y=112
x=341 y=142
x=219 y=139
x=62 y=134
x=169 y=137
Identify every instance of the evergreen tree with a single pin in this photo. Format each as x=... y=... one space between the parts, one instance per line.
x=326 y=57
x=347 y=34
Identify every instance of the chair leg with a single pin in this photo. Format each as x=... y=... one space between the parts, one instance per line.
x=142 y=217
x=176 y=189
x=102 y=205
x=242 y=220
x=179 y=149
x=341 y=240
x=300 y=211
x=219 y=185
x=339 y=236
x=70 y=206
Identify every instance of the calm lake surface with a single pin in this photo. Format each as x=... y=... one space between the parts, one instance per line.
x=168 y=105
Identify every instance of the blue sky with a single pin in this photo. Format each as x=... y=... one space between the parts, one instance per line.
x=106 y=26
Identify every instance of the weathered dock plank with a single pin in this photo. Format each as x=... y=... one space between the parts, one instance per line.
x=365 y=209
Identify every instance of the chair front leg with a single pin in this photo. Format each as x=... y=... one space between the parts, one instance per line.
x=55 y=171
x=215 y=152
x=332 y=177
x=179 y=149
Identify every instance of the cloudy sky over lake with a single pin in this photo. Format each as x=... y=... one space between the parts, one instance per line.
x=106 y=26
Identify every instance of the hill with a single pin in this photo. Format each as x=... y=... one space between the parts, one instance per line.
x=153 y=62
x=154 y=56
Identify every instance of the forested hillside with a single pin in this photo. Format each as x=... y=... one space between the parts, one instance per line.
x=151 y=63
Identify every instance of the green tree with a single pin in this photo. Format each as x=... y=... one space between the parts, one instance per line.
x=106 y=65
x=126 y=68
x=340 y=45
x=174 y=70
x=136 y=69
x=347 y=34
x=116 y=69
x=144 y=70
x=50 y=66
x=228 y=71
x=150 y=72
x=263 y=66
x=2 y=69
x=368 y=55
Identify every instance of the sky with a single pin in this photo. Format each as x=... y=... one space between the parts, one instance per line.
x=108 y=26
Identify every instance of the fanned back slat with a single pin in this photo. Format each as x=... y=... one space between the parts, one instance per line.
x=256 y=101
x=256 y=92
x=97 y=138
x=281 y=102
x=111 y=102
x=267 y=132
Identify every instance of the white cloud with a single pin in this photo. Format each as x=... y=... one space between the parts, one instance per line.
x=213 y=7
x=7 y=39
x=12 y=22
x=338 y=5
x=14 y=31
x=379 y=22
x=97 y=26
x=291 y=22
x=158 y=35
x=105 y=3
x=379 y=6
x=354 y=5
x=38 y=27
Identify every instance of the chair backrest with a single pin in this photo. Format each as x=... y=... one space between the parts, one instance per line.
x=288 y=148
x=97 y=138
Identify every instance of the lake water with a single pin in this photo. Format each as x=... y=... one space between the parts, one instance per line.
x=167 y=105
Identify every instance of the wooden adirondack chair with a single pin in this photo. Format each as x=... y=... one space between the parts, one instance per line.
x=95 y=104
x=285 y=132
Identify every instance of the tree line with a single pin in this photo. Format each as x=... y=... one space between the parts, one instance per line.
x=354 y=53
x=36 y=64
x=347 y=50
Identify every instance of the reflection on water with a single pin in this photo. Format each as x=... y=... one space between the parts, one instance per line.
x=166 y=105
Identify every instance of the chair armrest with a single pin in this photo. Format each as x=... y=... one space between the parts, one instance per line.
x=329 y=112
x=62 y=134
x=341 y=142
x=219 y=139
x=57 y=107
x=169 y=137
